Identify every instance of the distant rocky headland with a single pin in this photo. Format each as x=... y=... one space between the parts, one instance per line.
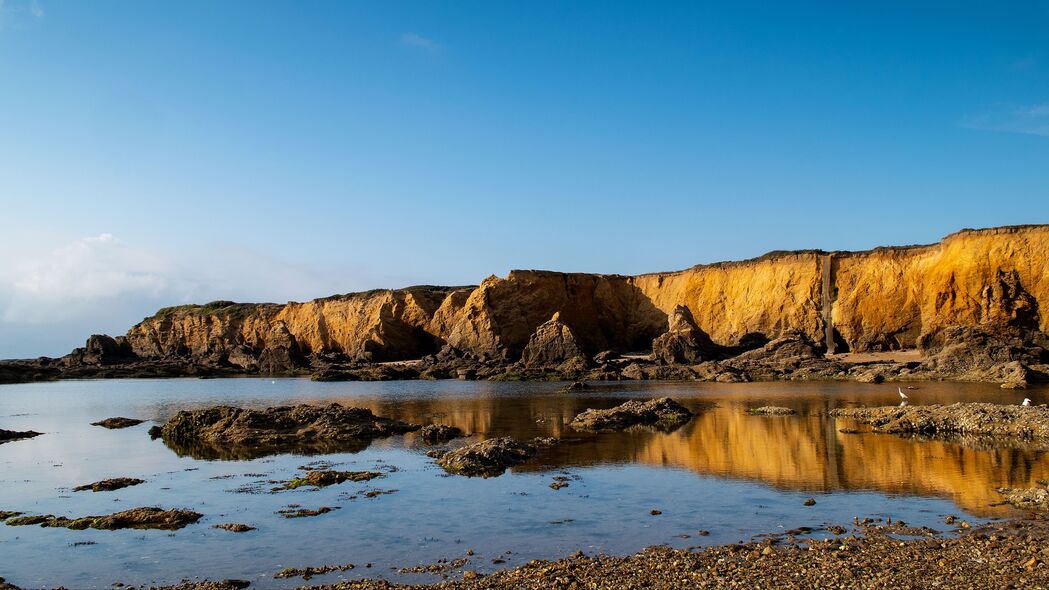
x=966 y=308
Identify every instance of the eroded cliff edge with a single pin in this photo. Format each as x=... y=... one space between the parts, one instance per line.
x=979 y=296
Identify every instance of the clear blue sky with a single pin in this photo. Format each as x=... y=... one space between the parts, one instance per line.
x=159 y=153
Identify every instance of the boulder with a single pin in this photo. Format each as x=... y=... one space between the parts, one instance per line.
x=551 y=345
x=684 y=342
x=281 y=354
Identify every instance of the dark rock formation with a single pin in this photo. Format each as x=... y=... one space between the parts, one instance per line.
x=10 y=435
x=117 y=423
x=439 y=433
x=663 y=412
x=244 y=432
x=684 y=342
x=490 y=458
x=136 y=518
x=552 y=344
x=234 y=527
x=322 y=478
x=109 y=485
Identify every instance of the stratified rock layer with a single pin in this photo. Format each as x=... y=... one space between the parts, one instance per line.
x=973 y=286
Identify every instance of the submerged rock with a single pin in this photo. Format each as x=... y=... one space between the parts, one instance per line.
x=109 y=485
x=325 y=478
x=136 y=518
x=661 y=412
x=234 y=527
x=304 y=512
x=229 y=432
x=962 y=418
x=771 y=411
x=492 y=457
x=10 y=435
x=438 y=433
x=119 y=422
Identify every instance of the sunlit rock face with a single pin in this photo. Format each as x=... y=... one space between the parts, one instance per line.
x=883 y=299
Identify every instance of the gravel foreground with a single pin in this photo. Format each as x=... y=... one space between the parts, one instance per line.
x=1008 y=554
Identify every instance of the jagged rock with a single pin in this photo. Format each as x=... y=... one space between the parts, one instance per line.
x=634 y=371
x=983 y=352
x=552 y=344
x=101 y=349
x=282 y=353
x=684 y=342
x=244 y=358
x=246 y=432
x=109 y=485
x=439 y=433
x=606 y=356
x=663 y=412
x=10 y=435
x=490 y=458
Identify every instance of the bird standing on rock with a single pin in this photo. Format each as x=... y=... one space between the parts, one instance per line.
x=1026 y=402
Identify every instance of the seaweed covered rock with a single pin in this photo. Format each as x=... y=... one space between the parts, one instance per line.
x=684 y=342
x=962 y=418
x=109 y=485
x=326 y=477
x=231 y=432
x=136 y=518
x=492 y=457
x=663 y=412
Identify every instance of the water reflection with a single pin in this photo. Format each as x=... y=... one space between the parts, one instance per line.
x=801 y=452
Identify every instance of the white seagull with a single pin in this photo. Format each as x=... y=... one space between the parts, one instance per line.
x=903 y=396
x=1026 y=402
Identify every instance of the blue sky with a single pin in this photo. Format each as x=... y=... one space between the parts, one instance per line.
x=161 y=153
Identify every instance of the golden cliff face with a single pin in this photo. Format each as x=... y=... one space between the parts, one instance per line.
x=884 y=298
x=890 y=296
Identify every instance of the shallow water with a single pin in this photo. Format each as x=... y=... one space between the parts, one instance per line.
x=725 y=472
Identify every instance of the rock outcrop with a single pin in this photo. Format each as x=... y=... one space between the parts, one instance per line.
x=684 y=342
x=230 y=432
x=552 y=344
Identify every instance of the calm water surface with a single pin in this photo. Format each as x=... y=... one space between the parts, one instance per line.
x=725 y=472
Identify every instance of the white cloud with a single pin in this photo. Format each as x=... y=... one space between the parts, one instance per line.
x=1029 y=120
x=75 y=278
x=36 y=9
x=414 y=40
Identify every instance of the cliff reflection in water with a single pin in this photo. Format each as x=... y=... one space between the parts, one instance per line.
x=804 y=452
x=801 y=452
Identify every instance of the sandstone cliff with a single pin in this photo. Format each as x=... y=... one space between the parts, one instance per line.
x=883 y=299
